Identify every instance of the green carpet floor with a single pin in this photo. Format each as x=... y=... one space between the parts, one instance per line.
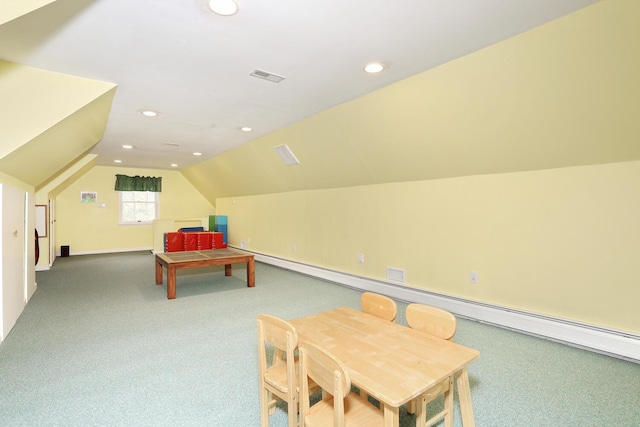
x=99 y=344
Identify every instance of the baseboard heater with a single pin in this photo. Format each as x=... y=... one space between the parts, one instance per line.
x=602 y=340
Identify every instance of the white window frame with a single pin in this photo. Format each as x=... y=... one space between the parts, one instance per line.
x=122 y=221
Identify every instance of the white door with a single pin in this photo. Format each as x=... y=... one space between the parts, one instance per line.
x=12 y=256
x=52 y=231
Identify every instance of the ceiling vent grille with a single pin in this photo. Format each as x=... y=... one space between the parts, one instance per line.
x=286 y=155
x=267 y=76
x=173 y=144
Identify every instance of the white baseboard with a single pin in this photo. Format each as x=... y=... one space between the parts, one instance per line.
x=109 y=251
x=611 y=342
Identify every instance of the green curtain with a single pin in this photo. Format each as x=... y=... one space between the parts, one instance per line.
x=138 y=183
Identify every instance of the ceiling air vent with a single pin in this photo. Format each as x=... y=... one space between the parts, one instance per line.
x=286 y=155
x=173 y=144
x=267 y=76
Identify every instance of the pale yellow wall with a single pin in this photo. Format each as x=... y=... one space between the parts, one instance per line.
x=480 y=149
x=561 y=242
x=49 y=192
x=86 y=228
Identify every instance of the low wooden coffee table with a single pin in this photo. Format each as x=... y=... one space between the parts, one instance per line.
x=195 y=259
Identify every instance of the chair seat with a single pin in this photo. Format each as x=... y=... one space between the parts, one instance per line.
x=276 y=376
x=357 y=413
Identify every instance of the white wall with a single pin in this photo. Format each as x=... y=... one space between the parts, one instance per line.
x=12 y=257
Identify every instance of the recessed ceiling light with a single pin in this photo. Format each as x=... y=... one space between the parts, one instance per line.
x=174 y=165
x=128 y=147
x=246 y=129
x=117 y=161
x=223 y=7
x=197 y=154
x=374 y=67
x=149 y=113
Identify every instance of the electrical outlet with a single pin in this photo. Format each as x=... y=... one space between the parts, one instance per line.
x=243 y=245
x=473 y=277
x=294 y=247
x=361 y=258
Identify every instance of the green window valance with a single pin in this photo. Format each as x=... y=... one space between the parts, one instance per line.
x=138 y=183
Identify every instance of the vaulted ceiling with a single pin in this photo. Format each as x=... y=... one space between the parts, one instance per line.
x=193 y=67
x=474 y=86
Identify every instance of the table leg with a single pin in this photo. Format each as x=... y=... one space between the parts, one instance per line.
x=158 y=273
x=251 y=273
x=227 y=269
x=464 y=395
x=171 y=282
x=391 y=416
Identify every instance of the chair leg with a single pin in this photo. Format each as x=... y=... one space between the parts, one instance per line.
x=421 y=404
x=420 y=407
x=292 y=414
x=264 y=407
x=448 y=404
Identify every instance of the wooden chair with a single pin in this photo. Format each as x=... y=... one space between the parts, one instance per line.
x=338 y=407
x=279 y=377
x=379 y=306
x=442 y=324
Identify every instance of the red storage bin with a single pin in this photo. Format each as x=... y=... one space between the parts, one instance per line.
x=217 y=241
x=190 y=241
x=174 y=242
x=205 y=241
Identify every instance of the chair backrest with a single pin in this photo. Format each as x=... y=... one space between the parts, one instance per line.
x=379 y=306
x=282 y=337
x=432 y=320
x=330 y=374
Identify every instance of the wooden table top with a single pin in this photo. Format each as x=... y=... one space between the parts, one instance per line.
x=391 y=362
x=187 y=256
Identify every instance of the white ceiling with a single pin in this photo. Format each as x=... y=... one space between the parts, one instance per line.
x=193 y=67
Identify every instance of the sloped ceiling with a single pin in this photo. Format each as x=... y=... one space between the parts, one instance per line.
x=71 y=174
x=55 y=118
x=564 y=94
x=51 y=119
x=194 y=67
x=12 y=9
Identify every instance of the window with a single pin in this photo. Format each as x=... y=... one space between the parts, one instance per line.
x=138 y=207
